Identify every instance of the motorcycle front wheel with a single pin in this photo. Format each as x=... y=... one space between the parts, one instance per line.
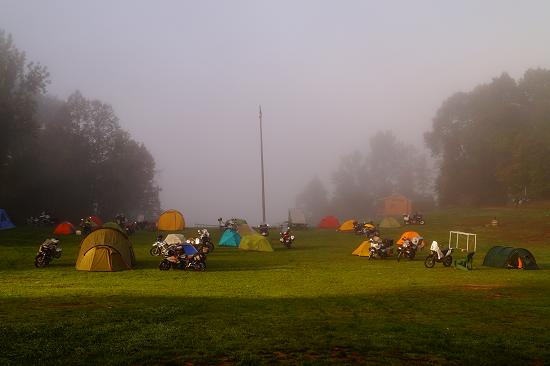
x=165 y=265
x=429 y=262
x=155 y=251
x=40 y=261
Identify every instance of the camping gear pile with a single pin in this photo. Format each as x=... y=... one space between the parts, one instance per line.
x=44 y=219
x=47 y=251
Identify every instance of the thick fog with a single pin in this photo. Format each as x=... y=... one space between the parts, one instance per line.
x=187 y=78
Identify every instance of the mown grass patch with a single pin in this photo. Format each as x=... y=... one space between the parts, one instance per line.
x=314 y=304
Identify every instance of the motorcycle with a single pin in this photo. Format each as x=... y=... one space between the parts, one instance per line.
x=415 y=219
x=437 y=255
x=407 y=249
x=47 y=252
x=159 y=247
x=379 y=248
x=205 y=243
x=264 y=229
x=287 y=238
x=44 y=219
x=180 y=257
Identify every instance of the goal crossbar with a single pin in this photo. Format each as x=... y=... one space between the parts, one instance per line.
x=471 y=240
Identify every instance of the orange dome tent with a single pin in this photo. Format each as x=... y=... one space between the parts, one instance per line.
x=171 y=220
x=329 y=222
x=65 y=228
x=408 y=235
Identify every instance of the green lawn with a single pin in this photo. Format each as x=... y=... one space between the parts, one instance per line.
x=314 y=304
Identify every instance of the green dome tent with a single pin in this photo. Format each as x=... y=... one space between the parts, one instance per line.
x=230 y=238
x=509 y=257
x=255 y=242
x=389 y=222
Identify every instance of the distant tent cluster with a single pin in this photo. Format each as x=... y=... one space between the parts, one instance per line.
x=245 y=238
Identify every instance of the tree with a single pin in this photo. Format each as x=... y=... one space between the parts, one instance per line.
x=314 y=200
x=20 y=83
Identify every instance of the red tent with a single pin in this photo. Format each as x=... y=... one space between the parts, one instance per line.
x=65 y=228
x=329 y=222
x=96 y=219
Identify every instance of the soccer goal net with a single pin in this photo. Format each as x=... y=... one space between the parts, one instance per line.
x=463 y=241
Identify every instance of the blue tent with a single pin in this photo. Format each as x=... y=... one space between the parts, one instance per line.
x=188 y=249
x=230 y=238
x=5 y=222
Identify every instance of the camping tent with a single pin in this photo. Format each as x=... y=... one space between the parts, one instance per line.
x=396 y=204
x=64 y=228
x=389 y=222
x=244 y=229
x=171 y=220
x=105 y=250
x=95 y=220
x=174 y=239
x=347 y=226
x=230 y=238
x=509 y=257
x=5 y=222
x=296 y=217
x=329 y=222
x=408 y=235
x=255 y=242
x=363 y=249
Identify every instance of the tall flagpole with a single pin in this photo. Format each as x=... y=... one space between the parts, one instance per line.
x=262 y=159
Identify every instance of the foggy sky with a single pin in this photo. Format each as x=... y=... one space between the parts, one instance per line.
x=186 y=78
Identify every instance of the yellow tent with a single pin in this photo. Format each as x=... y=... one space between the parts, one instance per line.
x=255 y=242
x=347 y=226
x=244 y=229
x=362 y=250
x=171 y=220
x=105 y=250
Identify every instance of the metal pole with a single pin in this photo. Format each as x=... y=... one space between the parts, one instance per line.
x=262 y=159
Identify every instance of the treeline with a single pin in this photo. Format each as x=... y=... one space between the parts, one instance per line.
x=363 y=179
x=490 y=145
x=493 y=143
x=69 y=157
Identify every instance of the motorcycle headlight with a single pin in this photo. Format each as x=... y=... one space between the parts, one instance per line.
x=281 y=240
x=292 y=237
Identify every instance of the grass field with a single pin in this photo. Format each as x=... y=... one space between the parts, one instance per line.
x=314 y=304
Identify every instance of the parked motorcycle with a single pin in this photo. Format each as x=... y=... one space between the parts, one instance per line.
x=159 y=247
x=264 y=229
x=437 y=255
x=286 y=238
x=47 y=252
x=205 y=243
x=414 y=219
x=379 y=248
x=407 y=249
x=183 y=257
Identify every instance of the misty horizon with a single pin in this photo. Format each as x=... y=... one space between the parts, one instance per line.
x=187 y=79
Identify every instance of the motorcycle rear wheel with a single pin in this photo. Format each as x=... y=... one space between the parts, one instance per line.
x=447 y=261
x=399 y=255
x=429 y=262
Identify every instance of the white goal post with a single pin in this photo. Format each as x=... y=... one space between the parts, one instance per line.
x=469 y=238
